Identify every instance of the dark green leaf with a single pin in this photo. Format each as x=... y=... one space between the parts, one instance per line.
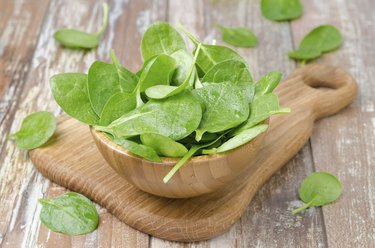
x=160 y=38
x=281 y=10
x=163 y=145
x=321 y=39
x=318 y=189
x=73 y=38
x=36 y=129
x=70 y=92
x=70 y=213
x=138 y=149
x=239 y=36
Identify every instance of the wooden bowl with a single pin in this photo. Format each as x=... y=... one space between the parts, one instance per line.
x=200 y=175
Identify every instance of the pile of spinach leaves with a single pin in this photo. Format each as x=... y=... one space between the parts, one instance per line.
x=179 y=104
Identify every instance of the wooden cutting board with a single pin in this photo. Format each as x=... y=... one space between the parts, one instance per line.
x=72 y=160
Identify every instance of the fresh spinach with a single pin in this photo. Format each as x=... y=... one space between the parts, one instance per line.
x=226 y=107
x=164 y=146
x=281 y=10
x=140 y=150
x=322 y=39
x=36 y=129
x=73 y=38
x=210 y=55
x=239 y=36
x=178 y=104
x=70 y=213
x=70 y=91
x=160 y=38
x=318 y=189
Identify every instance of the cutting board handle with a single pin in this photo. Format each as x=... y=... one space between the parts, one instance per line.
x=328 y=88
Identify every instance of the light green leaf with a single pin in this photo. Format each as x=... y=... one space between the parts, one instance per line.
x=163 y=145
x=281 y=10
x=138 y=149
x=36 y=129
x=239 y=36
x=118 y=105
x=70 y=92
x=267 y=83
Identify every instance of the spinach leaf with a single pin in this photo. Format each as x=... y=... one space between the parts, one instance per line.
x=318 y=189
x=158 y=71
x=160 y=38
x=118 y=105
x=261 y=109
x=210 y=55
x=163 y=145
x=281 y=10
x=239 y=36
x=73 y=38
x=322 y=39
x=175 y=117
x=70 y=213
x=226 y=107
x=267 y=83
x=70 y=91
x=240 y=139
x=36 y=129
x=184 y=60
x=163 y=91
x=127 y=80
x=143 y=151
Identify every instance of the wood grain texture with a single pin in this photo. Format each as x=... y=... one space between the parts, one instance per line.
x=206 y=216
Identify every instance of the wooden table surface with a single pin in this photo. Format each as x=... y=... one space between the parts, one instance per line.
x=343 y=144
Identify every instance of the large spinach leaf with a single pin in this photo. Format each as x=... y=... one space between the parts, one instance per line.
x=160 y=38
x=116 y=106
x=70 y=92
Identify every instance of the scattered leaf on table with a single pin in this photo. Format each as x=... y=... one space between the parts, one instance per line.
x=281 y=10
x=239 y=36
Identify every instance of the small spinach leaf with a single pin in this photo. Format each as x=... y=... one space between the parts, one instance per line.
x=318 y=189
x=127 y=80
x=267 y=83
x=239 y=36
x=36 y=129
x=163 y=145
x=73 y=38
x=143 y=151
x=226 y=107
x=118 y=105
x=70 y=213
x=281 y=10
x=160 y=38
x=70 y=91
x=184 y=59
x=261 y=109
x=322 y=39
x=210 y=55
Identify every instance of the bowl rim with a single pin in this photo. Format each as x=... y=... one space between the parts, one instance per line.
x=166 y=160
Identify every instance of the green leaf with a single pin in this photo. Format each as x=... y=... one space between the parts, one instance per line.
x=267 y=83
x=226 y=107
x=261 y=108
x=70 y=92
x=70 y=213
x=163 y=145
x=127 y=80
x=239 y=36
x=36 y=129
x=210 y=55
x=318 y=189
x=175 y=117
x=160 y=38
x=322 y=39
x=138 y=149
x=184 y=60
x=73 y=38
x=281 y=10
x=242 y=138
x=118 y=105
x=158 y=71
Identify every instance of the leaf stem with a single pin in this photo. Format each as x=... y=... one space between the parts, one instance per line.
x=105 y=20
x=307 y=205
